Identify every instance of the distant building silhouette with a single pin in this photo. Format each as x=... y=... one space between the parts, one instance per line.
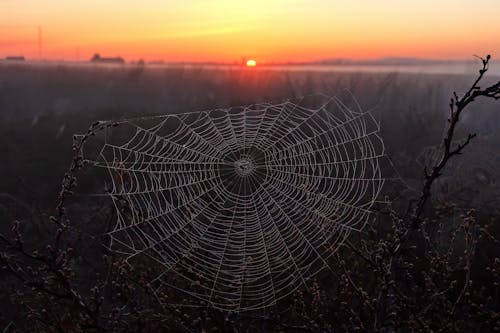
x=15 y=58
x=115 y=60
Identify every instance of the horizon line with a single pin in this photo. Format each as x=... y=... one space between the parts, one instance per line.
x=389 y=60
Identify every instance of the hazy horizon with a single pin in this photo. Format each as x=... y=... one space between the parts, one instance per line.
x=390 y=61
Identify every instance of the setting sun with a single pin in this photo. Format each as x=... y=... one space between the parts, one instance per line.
x=251 y=63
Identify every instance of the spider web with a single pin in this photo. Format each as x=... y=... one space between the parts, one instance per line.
x=241 y=206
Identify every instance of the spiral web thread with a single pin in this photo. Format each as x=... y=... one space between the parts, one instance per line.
x=241 y=206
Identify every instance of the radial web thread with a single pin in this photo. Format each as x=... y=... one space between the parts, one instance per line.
x=241 y=206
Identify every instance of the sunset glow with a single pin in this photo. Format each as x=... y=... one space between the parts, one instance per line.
x=251 y=63
x=227 y=30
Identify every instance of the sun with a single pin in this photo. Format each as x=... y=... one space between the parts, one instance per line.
x=251 y=63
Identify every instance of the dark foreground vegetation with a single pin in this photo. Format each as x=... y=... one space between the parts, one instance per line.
x=430 y=261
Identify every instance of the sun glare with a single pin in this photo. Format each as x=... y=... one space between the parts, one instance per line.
x=251 y=63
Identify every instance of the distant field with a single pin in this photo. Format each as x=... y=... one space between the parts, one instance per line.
x=41 y=107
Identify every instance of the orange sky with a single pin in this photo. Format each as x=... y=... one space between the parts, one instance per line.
x=267 y=30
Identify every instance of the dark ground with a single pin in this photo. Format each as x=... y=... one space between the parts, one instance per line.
x=42 y=107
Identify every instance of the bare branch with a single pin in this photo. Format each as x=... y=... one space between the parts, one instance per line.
x=457 y=106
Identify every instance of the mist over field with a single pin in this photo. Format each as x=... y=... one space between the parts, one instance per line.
x=42 y=107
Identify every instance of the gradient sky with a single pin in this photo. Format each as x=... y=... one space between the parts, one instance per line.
x=267 y=30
